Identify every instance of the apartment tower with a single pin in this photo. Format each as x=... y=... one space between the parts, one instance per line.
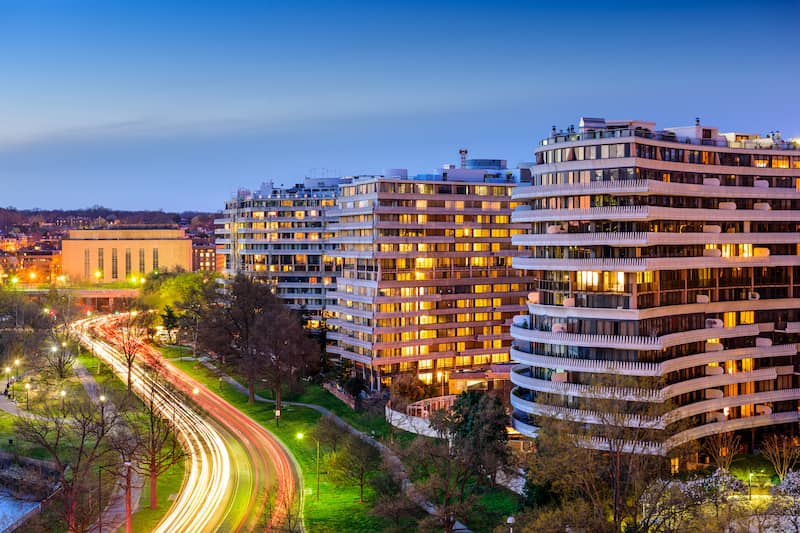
x=281 y=236
x=667 y=283
x=427 y=286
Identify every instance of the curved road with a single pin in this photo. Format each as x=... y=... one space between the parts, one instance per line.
x=236 y=467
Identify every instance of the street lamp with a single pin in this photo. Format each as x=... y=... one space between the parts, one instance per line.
x=510 y=522
x=300 y=437
x=16 y=365
x=27 y=396
x=63 y=394
x=8 y=376
x=749 y=484
x=128 y=518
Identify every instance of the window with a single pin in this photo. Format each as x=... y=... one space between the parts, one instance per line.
x=86 y=264
x=100 y=260
x=141 y=260
x=155 y=258
x=127 y=262
x=114 y=270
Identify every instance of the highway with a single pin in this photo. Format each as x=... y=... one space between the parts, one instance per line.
x=235 y=467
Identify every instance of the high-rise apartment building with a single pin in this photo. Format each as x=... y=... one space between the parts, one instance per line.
x=281 y=236
x=427 y=285
x=668 y=280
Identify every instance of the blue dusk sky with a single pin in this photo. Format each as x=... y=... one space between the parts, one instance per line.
x=175 y=105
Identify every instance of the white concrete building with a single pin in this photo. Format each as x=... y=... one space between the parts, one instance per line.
x=667 y=279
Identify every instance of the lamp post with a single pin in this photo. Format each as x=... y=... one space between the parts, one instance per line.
x=510 y=522
x=300 y=436
x=128 y=518
x=63 y=394
x=8 y=376
x=16 y=366
x=749 y=485
x=27 y=396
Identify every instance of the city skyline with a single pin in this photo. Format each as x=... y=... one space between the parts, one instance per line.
x=144 y=106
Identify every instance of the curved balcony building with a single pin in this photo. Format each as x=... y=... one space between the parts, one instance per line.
x=667 y=275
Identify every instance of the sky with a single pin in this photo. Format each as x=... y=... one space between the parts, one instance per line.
x=175 y=105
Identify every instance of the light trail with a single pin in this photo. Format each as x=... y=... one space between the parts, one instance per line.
x=206 y=488
x=205 y=502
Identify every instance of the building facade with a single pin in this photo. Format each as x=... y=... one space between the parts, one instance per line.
x=282 y=237
x=427 y=285
x=121 y=253
x=667 y=283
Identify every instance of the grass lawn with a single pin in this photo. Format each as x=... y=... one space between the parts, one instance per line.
x=493 y=508
x=763 y=474
x=338 y=508
x=168 y=486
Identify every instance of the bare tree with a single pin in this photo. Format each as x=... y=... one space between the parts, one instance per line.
x=722 y=447
x=76 y=438
x=781 y=452
x=131 y=340
x=158 y=448
x=328 y=432
x=353 y=463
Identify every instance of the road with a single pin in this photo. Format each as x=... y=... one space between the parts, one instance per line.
x=236 y=468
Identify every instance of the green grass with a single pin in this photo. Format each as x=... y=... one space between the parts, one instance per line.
x=168 y=484
x=493 y=508
x=763 y=474
x=338 y=508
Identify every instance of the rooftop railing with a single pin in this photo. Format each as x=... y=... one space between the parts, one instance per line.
x=753 y=144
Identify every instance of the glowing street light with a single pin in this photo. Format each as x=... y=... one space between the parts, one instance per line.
x=300 y=437
x=8 y=376
x=63 y=395
x=16 y=365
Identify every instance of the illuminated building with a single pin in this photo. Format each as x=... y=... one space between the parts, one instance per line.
x=204 y=258
x=668 y=281
x=281 y=237
x=124 y=252
x=427 y=285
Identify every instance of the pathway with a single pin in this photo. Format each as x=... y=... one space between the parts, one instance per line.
x=114 y=513
x=387 y=453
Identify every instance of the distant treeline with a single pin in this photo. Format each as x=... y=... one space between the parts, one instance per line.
x=11 y=217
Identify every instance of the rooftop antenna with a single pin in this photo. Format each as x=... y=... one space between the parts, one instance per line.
x=696 y=121
x=463 y=153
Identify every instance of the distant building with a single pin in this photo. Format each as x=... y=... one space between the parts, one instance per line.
x=667 y=279
x=117 y=254
x=204 y=258
x=281 y=236
x=427 y=287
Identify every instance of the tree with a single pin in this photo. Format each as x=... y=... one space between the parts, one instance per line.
x=76 y=439
x=787 y=499
x=392 y=504
x=353 y=463
x=252 y=327
x=157 y=447
x=406 y=389
x=130 y=339
x=328 y=432
x=722 y=448
x=781 y=452
x=60 y=352
x=169 y=320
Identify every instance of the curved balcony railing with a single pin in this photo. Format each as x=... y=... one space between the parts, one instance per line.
x=520 y=375
x=643 y=238
x=621 y=342
x=424 y=408
x=585 y=416
x=652 y=186
x=628 y=368
x=638 y=212
x=734 y=424
x=717 y=404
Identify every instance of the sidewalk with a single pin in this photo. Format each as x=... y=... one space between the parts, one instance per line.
x=114 y=512
x=387 y=453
